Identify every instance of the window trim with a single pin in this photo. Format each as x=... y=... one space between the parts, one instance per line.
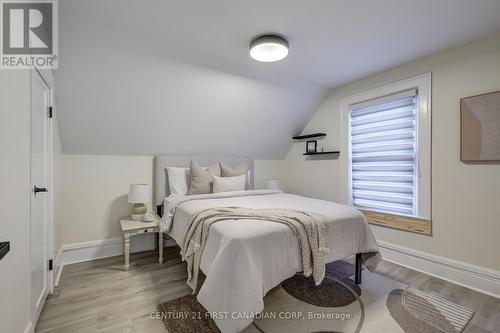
x=423 y=83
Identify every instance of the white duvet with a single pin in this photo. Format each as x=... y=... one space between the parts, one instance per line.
x=244 y=259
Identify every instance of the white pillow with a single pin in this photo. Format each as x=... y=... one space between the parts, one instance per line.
x=226 y=184
x=178 y=180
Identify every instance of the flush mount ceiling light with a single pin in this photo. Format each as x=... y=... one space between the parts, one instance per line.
x=269 y=48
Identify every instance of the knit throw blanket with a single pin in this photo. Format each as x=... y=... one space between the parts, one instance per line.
x=311 y=230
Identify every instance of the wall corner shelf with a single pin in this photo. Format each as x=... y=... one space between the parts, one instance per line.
x=311 y=144
x=317 y=136
x=322 y=153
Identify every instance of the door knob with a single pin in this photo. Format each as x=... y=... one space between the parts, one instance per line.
x=39 y=189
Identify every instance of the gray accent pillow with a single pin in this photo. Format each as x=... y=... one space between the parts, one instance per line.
x=228 y=171
x=202 y=178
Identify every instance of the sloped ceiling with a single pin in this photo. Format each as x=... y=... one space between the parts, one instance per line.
x=175 y=77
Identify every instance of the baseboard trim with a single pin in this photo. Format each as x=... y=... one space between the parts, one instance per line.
x=104 y=248
x=477 y=278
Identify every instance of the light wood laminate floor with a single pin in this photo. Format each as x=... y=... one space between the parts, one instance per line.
x=100 y=296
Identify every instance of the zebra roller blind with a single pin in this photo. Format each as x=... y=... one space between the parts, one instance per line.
x=384 y=159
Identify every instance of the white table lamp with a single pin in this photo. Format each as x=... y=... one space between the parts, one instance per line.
x=273 y=184
x=138 y=195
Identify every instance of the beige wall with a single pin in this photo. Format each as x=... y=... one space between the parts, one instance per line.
x=268 y=169
x=14 y=198
x=465 y=197
x=95 y=191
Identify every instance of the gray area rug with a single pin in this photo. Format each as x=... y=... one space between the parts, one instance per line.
x=337 y=305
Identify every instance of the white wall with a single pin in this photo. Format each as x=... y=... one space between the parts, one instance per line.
x=127 y=97
x=14 y=198
x=465 y=197
x=95 y=191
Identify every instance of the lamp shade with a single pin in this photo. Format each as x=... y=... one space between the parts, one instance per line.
x=273 y=184
x=138 y=193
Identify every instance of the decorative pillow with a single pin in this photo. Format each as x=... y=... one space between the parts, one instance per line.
x=201 y=178
x=242 y=169
x=178 y=180
x=226 y=184
x=214 y=170
x=228 y=171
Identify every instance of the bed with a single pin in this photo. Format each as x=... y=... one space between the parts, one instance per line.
x=244 y=259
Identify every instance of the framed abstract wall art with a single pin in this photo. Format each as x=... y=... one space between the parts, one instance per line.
x=480 y=128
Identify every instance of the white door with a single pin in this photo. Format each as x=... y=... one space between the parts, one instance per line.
x=39 y=197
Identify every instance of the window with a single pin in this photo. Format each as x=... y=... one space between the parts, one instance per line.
x=387 y=134
x=384 y=154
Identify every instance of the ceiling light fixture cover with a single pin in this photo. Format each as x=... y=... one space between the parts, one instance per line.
x=269 y=48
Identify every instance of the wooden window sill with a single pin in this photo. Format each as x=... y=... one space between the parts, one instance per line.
x=400 y=222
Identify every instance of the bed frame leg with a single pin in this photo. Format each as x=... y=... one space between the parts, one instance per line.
x=357 y=269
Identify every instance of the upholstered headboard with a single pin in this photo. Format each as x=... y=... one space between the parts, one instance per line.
x=161 y=189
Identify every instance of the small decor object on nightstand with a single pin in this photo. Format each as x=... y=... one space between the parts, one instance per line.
x=150 y=217
x=138 y=195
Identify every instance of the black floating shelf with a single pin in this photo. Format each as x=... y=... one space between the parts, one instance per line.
x=4 y=249
x=322 y=153
x=309 y=136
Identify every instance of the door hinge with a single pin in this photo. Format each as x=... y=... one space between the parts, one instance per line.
x=51 y=265
x=50 y=112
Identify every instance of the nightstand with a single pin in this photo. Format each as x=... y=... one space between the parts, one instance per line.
x=131 y=228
